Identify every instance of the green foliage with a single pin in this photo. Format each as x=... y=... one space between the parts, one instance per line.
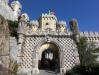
x=96 y=50
x=82 y=46
x=84 y=70
x=88 y=65
x=13 y=24
x=74 y=26
x=85 y=51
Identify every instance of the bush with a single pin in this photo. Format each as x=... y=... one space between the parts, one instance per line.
x=84 y=70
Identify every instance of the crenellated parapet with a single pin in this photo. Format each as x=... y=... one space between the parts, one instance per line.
x=48 y=25
x=34 y=24
x=24 y=17
x=89 y=34
x=48 y=21
x=91 y=37
x=61 y=26
x=50 y=16
x=23 y=24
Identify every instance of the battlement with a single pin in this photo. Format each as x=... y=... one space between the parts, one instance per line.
x=89 y=34
x=49 y=16
x=91 y=37
x=24 y=17
x=34 y=22
x=46 y=24
x=62 y=23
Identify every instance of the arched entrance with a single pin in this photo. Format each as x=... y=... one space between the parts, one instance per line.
x=49 y=57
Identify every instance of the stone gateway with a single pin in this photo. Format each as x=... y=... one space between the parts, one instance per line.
x=47 y=44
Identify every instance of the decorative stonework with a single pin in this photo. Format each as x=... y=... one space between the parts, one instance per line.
x=32 y=35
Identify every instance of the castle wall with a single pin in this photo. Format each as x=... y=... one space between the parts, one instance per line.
x=48 y=30
x=31 y=44
x=91 y=37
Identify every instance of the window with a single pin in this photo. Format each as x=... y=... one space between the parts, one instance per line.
x=47 y=24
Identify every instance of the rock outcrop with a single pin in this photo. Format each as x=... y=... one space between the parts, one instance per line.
x=4 y=45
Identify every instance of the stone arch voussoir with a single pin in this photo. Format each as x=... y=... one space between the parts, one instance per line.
x=39 y=44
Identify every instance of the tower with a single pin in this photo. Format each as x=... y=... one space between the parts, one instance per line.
x=23 y=20
x=22 y=26
x=48 y=22
x=16 y=6
x=74 y=26
x=61 y=26
x=34 y=24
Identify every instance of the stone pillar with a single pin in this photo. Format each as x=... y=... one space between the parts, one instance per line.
x=19 y=60
x=35 y=64
x=62 y=69
x=20 y=41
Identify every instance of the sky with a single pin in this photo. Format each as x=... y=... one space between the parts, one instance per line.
x=85 y=11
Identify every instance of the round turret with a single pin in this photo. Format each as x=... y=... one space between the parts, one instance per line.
x=61 y=26
x=24 y=17
x=62 y=23
x=34 y=24
x=74 y=26
x=16 y=7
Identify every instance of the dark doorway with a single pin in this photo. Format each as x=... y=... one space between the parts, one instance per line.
x=50 y=60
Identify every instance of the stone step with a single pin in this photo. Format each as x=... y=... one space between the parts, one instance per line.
x=46 y=72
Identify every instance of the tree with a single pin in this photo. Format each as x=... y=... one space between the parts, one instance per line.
x=85 y=50
x=82 y=46
x=87 y=54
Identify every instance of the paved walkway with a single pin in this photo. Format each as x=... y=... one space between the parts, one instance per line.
x=46 y=72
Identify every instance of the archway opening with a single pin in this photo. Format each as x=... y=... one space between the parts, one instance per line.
x=49 y=57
